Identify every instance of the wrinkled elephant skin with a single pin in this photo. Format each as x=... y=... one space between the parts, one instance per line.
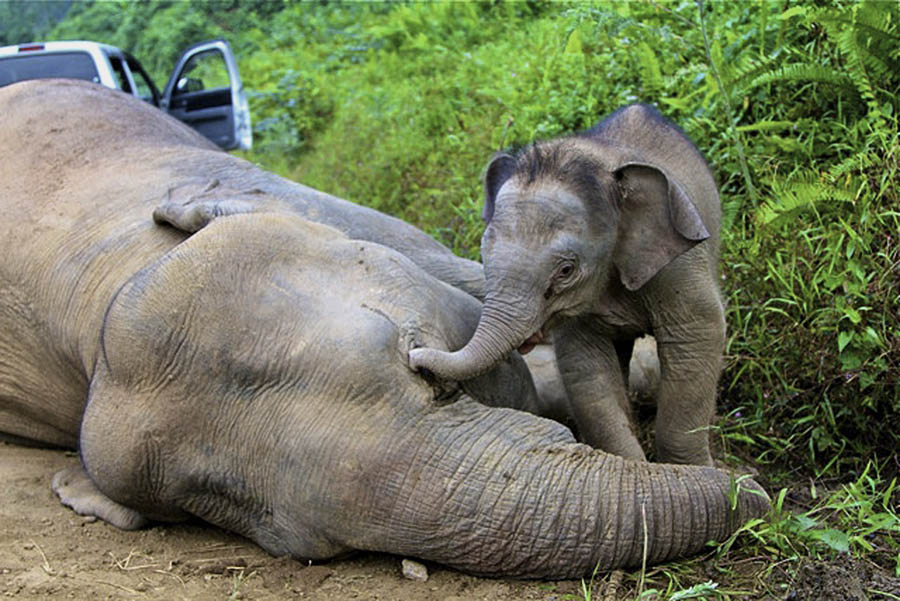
x=254 y=374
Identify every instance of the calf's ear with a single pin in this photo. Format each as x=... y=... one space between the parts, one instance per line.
x=657 y=222
x=500 y=169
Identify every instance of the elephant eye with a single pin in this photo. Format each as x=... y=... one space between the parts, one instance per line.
x=561 y=277
x=564 y=271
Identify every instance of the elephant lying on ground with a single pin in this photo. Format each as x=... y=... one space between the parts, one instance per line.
x=256 y=374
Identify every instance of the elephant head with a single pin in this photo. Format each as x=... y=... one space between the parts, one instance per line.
x=572 y=222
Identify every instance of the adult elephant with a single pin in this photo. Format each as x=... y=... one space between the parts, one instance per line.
x=600 y=238
x=255 y=374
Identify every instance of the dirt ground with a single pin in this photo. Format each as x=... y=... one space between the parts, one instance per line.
x=49 y=552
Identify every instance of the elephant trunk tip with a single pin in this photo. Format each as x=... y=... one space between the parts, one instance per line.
x=496 y=336
x=421 y=358
x=752 y=500
x=531 y=342
x=444 y=365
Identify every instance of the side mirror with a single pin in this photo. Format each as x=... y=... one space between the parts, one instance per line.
x=188 y=84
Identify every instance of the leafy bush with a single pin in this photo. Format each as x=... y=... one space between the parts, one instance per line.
x=812 y=268
x=796 y=111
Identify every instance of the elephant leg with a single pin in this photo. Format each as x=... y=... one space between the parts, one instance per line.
x=643 y=372
x=592 y=373
x=690 y=361
x=76 y=490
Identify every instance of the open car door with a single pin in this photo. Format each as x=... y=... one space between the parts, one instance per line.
x=205 y=91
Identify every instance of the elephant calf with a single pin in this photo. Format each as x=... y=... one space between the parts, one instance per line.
x=598 y=239
x=255 y=374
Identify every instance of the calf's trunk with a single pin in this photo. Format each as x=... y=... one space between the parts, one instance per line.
x=498 y=333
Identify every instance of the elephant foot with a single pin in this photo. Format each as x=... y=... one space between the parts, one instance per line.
x=76 y=490
x=191 y=209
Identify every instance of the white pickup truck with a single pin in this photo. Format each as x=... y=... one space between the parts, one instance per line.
x=204 y=91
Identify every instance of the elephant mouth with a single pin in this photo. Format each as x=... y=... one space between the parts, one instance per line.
x=531 y=342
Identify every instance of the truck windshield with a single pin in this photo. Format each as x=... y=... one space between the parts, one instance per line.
x=76 y=65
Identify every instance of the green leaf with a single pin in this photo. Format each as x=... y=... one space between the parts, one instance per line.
x=882 y=521
x=682 y=104
x=852 y=314
x=695 y=592
x=805 y=522
x=767 y=126
x=792 y=12
x=837 y=540
x=651 y=75
x=573 y=45
x=889 y=493
x=740 y=437
x=844 y=339
x=872 y=335
x=851 y=361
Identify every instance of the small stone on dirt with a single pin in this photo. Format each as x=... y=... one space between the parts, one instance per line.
x=413 y=570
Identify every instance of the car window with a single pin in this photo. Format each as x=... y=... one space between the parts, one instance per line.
x=204 y=71
x=119 y=71
x=77 y=65
x=145 y=86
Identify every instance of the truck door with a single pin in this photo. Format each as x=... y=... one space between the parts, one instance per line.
x=205 y=91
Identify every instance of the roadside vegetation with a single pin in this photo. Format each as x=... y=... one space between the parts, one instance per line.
x=795 y=104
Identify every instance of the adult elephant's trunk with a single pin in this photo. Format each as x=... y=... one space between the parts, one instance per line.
x=502 y=328
x=502 y=493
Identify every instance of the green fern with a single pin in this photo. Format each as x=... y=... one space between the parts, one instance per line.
x=873 y=28
x=804 y=193
x=767 y=126
x=738 y=75
x=651 y=75
x=866 y=34
x=803 y=72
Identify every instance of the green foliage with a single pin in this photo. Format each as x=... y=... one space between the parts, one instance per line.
x=29 y=21
x=812 y=268
x=156 y=32
x=400 y=105
x=859 y=518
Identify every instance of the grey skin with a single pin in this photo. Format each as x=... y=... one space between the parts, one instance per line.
x=209 y=184
x=255 y=375
x=214 y=184
x=597 y=239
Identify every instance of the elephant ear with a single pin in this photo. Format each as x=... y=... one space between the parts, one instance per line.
x=657 y=222
x=500 y=169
